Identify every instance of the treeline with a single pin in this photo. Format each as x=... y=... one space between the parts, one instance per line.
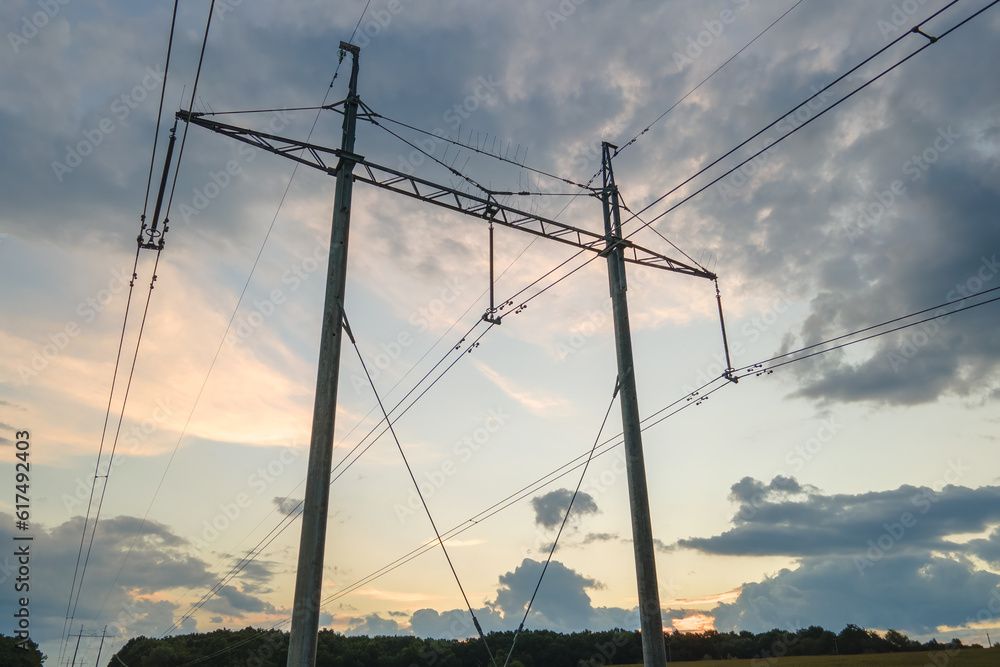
x=14 y=653
x=537 y=648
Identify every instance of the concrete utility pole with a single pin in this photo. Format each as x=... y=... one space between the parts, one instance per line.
x=305 y=612
x=653 y=651
x=309 y=575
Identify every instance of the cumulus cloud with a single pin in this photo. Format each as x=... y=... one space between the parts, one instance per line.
x=562 y=604
x=894 y=558
x=373 y=625
x=159 y=562
x=770 y=523
x=550 y=508
x=288 y=506
x=914 y=594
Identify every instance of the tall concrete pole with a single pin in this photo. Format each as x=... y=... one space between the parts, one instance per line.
x=309 y=576
x=653 y=649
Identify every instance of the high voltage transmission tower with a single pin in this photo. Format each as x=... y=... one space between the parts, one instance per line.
x=343 y=163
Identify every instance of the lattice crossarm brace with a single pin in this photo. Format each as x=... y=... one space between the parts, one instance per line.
x=484 y=206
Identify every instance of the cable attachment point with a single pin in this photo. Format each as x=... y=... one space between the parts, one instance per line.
x=921 y=32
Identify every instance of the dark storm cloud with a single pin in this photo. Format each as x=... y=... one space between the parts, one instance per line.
x=550 y=508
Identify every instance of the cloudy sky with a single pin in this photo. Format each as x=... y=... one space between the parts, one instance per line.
x=857 y=486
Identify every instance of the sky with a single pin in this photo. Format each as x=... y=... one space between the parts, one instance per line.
x=855 y=486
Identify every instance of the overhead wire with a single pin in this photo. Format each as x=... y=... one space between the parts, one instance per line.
x=71 y=613
x=705 y=80
x=78 y=582
x=694 y=398
x=194 y=93
x=100 y=452
x=799 y=126
x=416 y=485
x=759 y=366
x=856 y=91
x=444 y=164
x=159 y=112
x=562 y=526
x=475 y=149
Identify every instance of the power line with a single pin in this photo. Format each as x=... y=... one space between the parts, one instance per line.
x=77 y=586
x=416 y=485
x=194 y=91
x=759 y=368
x=562 y=526
x=228 y=327
x=450 y=168
x=159 y=112
x=694 y=398
x=100 y=452
x=789 y=113
x=705 y=80
x=480 y=151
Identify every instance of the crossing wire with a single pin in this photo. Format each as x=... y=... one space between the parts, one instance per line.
x=704 y=81
x=152 y=161
x=480 y=151
x=805 y=123
x=694 y=398
x=64 y=637
x=646 y=224
x=226 y=333
x=562 y=526
x=77 y=585
x=416 y=485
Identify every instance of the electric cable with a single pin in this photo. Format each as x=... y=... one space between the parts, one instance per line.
x=759 y=368
x=480 y=151
x=562 y=526
x=705 y=80
x=803 y=124
x=416 y=485
x=78 y=583
x=194 y=91
x=228 y=328
x=159 y=111
x=100 y=453
x=409 y=143
x=686 y=401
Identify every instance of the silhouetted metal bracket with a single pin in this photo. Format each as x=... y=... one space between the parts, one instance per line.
x=480 y=206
